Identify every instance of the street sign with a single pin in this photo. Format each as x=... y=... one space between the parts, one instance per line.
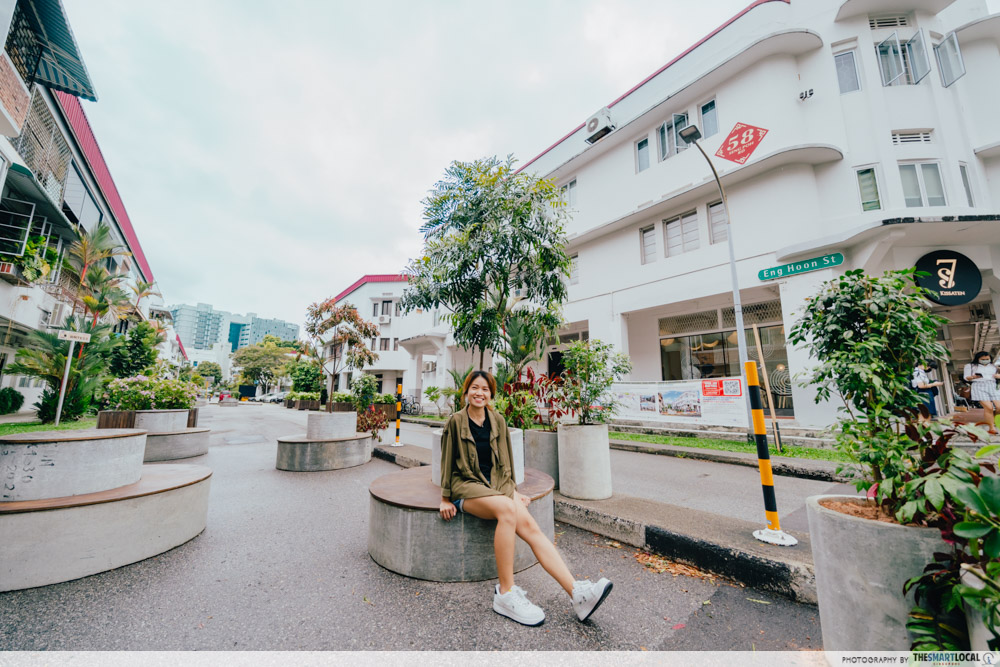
x=741 y=143
x=77 y=336
x=804 y=266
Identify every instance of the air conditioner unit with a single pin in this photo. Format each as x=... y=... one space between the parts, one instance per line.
x=384 y=319
x=430 y=366
x=58 y=317
x=598 y=125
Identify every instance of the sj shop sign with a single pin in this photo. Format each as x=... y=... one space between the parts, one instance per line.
x=952 y=278
x=803 y=266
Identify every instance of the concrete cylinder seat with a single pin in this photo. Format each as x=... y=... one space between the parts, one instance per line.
x=182 y=444
x=407 y=535
x=162 y=421
x=54 y=464
x=331 y=442
x=56 y=539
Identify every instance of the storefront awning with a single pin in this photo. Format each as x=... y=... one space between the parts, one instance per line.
x=61 y=66
x=25 y=182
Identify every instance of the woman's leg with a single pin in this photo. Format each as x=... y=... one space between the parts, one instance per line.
x=500 y=509
x=988 y=415
x=546 y=553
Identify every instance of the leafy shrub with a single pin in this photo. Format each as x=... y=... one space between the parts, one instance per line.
x=146 y=393
x=372 y=421
x=303 y=396
x=11 y=400
x=364 y=388
x=342 y=397
x=591 y=368
x=386 y=399
x=518 y=407
x=75 y=405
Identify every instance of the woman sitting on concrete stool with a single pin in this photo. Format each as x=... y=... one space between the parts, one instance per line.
x=477 y=477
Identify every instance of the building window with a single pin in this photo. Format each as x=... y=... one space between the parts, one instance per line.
x=574 y=269
x=709 y=119
x=950 y=62
x=717 y=222
x=375 y=309
x=387 y=307
x=868 y=188
x=395 y=345
x=903 y=63
x=681 y=233
x=670 y=138
x=383 y=345
x=922 y=185
x=642 y=155
x=967 y=183
x=569 y=193
x=374 y=344
x=847 y=72
x=398 y=309
x=647 y=241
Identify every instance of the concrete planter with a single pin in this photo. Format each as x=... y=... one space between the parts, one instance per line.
x=516 y=446
x=154 y=421
x=584 y=461
x=861 y=566
x=340 y=406
x=330 y=425
x=541 y=452
x=162 y=421
x=291 y=405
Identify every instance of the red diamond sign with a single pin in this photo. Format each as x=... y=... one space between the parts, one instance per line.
x=741 y=143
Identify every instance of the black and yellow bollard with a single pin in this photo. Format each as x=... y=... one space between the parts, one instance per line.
x=399 y=410
x=773 y=533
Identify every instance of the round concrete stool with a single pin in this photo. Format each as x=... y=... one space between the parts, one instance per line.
x=53 y=464
x=408 y=536
x=57 y=539
x=162 y=421
x=300 y=453
x=181 y=444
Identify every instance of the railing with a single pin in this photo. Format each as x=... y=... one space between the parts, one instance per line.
x=15 y=226
x=44 y=149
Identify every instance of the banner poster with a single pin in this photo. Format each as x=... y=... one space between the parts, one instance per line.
x=711 y=401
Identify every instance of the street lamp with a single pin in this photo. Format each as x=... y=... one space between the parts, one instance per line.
x=691 y=134
x=772 y=534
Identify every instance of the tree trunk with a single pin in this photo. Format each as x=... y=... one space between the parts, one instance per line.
x=482 y=353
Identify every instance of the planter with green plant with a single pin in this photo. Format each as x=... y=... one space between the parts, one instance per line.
x=304 y=400
x=341 y=401
x=584 y=448
x=541 y=445
x=868 y=334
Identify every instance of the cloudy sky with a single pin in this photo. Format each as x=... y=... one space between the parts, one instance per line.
x=271 y=153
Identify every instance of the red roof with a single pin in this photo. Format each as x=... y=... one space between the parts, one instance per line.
x=183 y=351
x=372 y=278
x=85 y=138
x=651 y=76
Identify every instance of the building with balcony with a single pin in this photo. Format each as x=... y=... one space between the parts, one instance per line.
x=882 y=148
x=55 y=181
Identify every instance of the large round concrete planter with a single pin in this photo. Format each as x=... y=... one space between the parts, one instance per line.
x=182 y=444
x=162 y=421
x=861 y=566
x=516 y=446
x=408 y=536
x=329 y=425
x=53 y=464
x=541 y=452
x=303 y=454
x=584 y=461
x=58 y=539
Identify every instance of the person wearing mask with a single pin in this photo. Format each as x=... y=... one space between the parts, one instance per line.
x=982 y=375
x=477 y=477
x=928 y=389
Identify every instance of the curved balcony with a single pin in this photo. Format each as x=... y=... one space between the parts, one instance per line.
x=706 y=188
x=984 y=28
x=852 y=8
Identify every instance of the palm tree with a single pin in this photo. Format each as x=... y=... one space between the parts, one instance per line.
x=103 y=294
x=89 y=250
x=142 y=289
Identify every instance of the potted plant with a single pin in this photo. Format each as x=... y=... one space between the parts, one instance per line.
x=162 y=404
x=867 y=334
x=386 y=404
x=340 y=401
x=584 y=449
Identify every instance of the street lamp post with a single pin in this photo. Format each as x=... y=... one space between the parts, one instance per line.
x=755 y=416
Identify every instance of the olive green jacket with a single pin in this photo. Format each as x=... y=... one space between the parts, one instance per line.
x=461 y=476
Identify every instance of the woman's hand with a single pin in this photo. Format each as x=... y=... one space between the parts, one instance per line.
x=523 y=498
x=447 y=510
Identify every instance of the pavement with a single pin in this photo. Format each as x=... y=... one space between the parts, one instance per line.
x=283 y=565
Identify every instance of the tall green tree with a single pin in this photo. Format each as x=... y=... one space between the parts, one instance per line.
x=281 y=342
x=492 y=237
x=348 y=336
x=211 y=371
x=138 y=353
x=262 y=363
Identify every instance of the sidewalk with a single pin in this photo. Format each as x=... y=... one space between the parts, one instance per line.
x=695 y=506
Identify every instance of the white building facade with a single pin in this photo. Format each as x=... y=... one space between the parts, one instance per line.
x=882 y=147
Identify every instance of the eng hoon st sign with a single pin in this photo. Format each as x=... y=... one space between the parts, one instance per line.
x=803 y=266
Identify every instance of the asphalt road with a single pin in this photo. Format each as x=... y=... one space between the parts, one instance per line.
x=283 y=565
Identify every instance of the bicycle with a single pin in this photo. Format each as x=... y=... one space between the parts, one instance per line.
x=410 y=406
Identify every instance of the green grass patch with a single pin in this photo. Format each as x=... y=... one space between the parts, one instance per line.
x=28 y=427
x=733 y=446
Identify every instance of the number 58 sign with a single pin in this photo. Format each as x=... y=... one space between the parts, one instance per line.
x=741 y=143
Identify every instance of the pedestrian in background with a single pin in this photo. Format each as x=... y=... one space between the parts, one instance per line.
x=477 y=477
x=928 y=389
x=982 y=375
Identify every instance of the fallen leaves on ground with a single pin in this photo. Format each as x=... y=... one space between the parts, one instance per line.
x=758 y=601
x=679 y=626
x=661 y=565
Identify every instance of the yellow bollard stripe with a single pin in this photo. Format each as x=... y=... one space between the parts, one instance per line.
x=751 y=370
x=766 y=473
x=772 y=520
x=759 y=426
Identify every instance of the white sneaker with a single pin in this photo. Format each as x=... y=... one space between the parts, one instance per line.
x=514 y=604
x=588 y=596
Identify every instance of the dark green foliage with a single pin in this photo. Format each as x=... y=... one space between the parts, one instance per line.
x=137 y=353
x=307 y=376
x=211 y=371
x=76 y=404
x=11 y=400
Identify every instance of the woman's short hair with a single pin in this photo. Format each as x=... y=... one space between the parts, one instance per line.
x=491 y=383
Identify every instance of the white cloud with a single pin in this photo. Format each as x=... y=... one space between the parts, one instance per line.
x=271 y=153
